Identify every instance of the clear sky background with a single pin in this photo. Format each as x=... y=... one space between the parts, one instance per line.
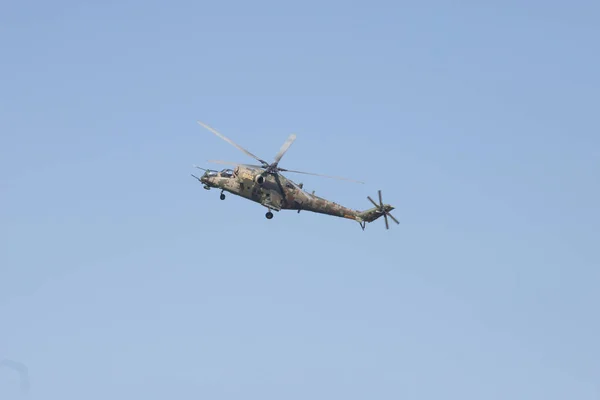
x=122 y=278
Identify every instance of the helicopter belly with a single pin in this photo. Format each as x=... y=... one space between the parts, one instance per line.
x=270 y=199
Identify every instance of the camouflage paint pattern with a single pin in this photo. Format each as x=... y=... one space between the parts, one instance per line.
x=277 y=192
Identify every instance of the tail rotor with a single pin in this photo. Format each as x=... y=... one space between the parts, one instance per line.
x=383 y=209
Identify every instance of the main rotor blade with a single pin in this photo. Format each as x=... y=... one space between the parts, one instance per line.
x=284 y=148
x=234 y=163
x=231 y=142
x=372 y=201
x=324 y=176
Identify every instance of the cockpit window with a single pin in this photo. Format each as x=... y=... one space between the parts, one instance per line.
x=226 y=173
x=289 y=185
x=211 y=173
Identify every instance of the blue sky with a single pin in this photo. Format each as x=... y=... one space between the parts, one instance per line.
x=120 y=276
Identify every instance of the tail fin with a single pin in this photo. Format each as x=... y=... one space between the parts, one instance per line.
x=379 y=210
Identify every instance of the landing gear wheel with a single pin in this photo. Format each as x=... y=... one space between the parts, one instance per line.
x=269 y=215
x=222 y=196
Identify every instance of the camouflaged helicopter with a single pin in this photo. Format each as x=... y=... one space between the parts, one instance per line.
x=265 y=185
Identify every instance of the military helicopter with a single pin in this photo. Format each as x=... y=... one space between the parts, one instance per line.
x=264 y=184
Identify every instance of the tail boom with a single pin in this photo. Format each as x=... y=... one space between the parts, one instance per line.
x=374 y=213
x=322 y=206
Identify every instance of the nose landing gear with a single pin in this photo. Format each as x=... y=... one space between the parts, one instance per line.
x=222 y=195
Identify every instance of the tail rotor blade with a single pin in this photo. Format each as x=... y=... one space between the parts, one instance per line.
x=380 y=201
x=392 y=217
x=373 y=201
x=387 y=225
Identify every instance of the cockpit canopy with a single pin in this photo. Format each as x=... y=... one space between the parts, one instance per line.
x=226 y=173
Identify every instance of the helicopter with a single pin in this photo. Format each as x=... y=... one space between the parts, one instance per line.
x=264 y=184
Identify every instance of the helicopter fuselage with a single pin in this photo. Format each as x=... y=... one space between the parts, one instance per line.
x=274 y=191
